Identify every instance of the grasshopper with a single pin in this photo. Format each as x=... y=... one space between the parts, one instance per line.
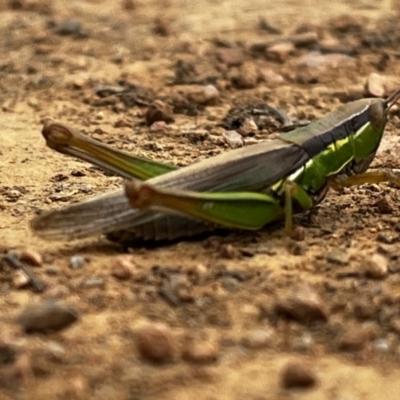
x=244 y=188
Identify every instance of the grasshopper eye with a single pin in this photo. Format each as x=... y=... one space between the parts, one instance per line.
x=377 y=115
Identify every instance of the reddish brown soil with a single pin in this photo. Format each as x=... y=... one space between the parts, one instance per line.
x=237 y=283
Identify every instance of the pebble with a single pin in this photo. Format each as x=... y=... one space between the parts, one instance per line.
x=375 y=266
x=230 y=284
x=382 y=345
x=372 y=329
x=158 y=127
x=52 y=270
x=77 y=387
x=199 y=270
x=43 y=49
x=47 y=316
x=385 y=205
x=381 y=85
x=306 y=76
x=99 y=116
x=296 y=374
x=315 y=59
x=12 y=195
x=303 y=304
x=385 y=238
x=296 y=248
x=76 y=262
x=375 y=85
x=248 y=127
x=228 y=250
x=280 y=51
x=353 y=340
x=31 y=257
x=270 y=76
x=70 y=27
x=54 y=351
x=298 y=234
x=205 y=95
x=247 y=77
x=258 y=338
x=302 y=343
x=20 y=279
x=201 y=352
x=123 y=123
x=159 y=111
x=154 y=342
x=122 y=268
x=181 y=287
x=93 y=282
x=338 y=257
x=240 y=275
x=175 y=289
x=232 y=57
x=233 y=139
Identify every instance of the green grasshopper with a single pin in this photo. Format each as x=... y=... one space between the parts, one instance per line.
x=245 y=188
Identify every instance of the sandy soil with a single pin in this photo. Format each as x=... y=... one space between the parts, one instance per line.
x=251 y=302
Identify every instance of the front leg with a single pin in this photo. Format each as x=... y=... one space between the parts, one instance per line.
x=296 y=192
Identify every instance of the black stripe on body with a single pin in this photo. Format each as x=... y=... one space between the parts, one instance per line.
x=338 y=125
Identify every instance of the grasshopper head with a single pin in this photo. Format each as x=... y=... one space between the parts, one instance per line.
x=368 y=138
x=377 y=114
x=391 y=100
x=379 y=109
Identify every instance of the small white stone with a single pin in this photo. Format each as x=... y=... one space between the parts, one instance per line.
x=20 y=279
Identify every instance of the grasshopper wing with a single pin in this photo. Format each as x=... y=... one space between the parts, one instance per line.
x=252 y=169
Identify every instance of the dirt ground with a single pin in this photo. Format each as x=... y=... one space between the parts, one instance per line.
x=232 y=316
